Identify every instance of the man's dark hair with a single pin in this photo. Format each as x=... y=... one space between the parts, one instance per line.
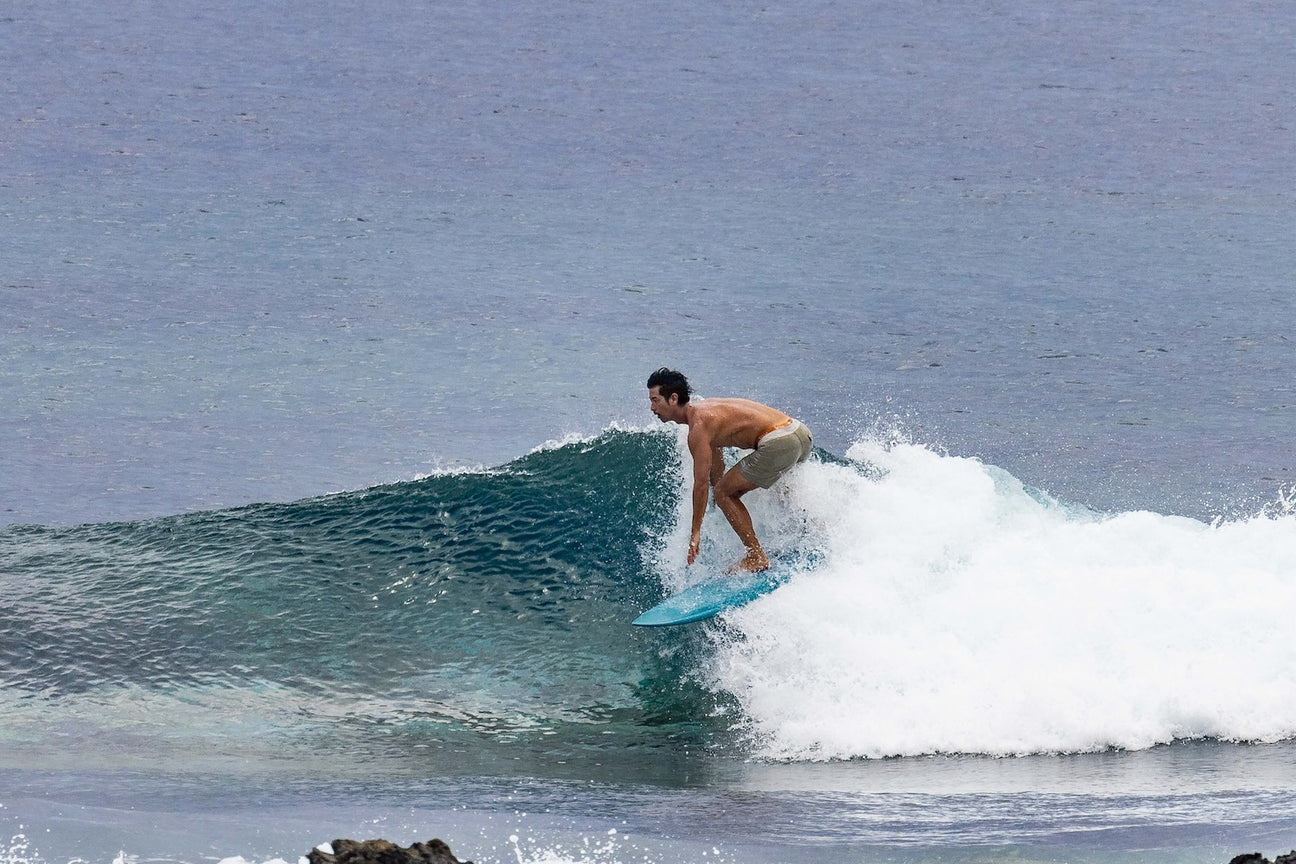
x=669 y=381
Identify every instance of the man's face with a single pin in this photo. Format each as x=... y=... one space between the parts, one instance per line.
x=659 y=405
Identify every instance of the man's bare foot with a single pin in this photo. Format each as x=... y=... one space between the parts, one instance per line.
x=753 y=562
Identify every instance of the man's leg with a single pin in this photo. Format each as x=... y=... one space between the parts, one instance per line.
x=732 y=486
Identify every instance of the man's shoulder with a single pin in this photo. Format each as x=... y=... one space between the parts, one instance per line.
x=728 y=403
x=709 y=412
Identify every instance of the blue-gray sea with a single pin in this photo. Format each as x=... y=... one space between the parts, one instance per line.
x=328 y=487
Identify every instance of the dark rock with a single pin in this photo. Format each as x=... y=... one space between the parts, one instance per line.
x=1257 y=858
x=386 y=852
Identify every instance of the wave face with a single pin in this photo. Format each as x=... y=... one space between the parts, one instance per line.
x=464 y=609
x=947 y=608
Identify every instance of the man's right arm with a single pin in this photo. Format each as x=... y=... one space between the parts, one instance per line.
x=703 y=461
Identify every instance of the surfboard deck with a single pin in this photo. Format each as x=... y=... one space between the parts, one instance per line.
x=710 y=597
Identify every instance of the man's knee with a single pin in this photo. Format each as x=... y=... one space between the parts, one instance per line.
x=732 y=486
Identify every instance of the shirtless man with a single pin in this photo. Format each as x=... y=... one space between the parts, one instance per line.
x=778 y=442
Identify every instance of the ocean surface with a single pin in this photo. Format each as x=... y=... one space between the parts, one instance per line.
x=328 y=487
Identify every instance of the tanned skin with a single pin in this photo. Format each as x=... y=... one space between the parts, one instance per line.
x=715 y=424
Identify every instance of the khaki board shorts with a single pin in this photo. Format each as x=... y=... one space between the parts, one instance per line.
x=775 y=453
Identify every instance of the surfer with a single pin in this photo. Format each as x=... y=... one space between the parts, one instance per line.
x=776 y=440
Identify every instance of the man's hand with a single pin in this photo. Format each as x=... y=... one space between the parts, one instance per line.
x=695 y=543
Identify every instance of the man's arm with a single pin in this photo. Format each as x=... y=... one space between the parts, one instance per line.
x=704 y=462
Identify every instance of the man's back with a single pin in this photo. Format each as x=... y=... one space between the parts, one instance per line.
x=733 y=422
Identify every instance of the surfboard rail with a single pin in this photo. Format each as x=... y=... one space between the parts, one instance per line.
x=712 y=596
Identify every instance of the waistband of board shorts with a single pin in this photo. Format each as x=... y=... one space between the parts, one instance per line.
x=778 y=430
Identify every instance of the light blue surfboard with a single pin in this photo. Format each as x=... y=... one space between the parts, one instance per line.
x=713 y=596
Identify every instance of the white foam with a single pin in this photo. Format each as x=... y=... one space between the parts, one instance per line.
x=956 y=611
x=608 y=849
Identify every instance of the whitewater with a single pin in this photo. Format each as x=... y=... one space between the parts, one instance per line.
x=958 y=611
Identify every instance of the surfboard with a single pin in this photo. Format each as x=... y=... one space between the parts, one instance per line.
x=713 y=596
